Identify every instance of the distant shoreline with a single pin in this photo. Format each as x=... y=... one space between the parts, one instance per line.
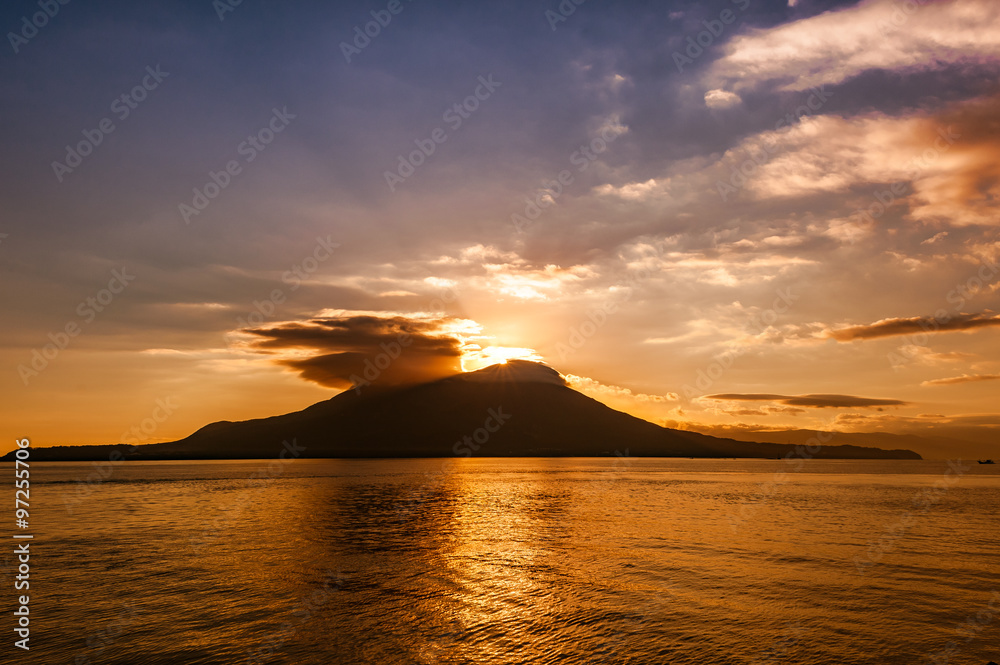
x=39 y=456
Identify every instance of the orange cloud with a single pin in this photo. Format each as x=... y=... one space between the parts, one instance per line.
x=939 y=168
x=604 y=392
x=965 y=378
x=930 y=357
x=935 y=168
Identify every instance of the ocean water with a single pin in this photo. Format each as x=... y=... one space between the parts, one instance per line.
x=511 y=561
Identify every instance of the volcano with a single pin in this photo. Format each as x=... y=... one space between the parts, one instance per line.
x=515 y=409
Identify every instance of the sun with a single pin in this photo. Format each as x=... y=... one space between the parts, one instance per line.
x=474 y=357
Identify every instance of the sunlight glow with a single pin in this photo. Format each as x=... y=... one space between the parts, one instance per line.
x=474 y=357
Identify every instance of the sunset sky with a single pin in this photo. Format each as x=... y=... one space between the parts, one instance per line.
x=724 y=215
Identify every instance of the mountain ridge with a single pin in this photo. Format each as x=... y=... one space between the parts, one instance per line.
x=534 y=414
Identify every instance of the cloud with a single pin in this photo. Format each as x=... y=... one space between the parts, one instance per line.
x=721 y=99
x=811 y=401
x=938 y=237
x=937 y=168
x=635 y=191
x=928 y=356
x=965 y=378
x=389 y=350
x=915 y=424
x=881 y=34
x=604 y=392
x=719 y=265
x=962 y=183
x=913 y=325
x=507 y=273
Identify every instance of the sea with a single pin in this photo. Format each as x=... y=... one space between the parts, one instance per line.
x=494 y=560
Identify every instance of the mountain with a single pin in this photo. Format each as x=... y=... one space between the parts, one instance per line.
x=929 y=447
x=519 y=409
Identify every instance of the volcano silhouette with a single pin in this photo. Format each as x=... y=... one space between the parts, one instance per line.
x=516 y=409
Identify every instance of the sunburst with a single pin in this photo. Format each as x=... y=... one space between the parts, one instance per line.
x=474 y=357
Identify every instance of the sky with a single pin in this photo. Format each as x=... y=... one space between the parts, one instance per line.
x=729 y=216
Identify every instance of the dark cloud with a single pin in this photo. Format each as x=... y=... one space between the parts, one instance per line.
x=380 y=350
x=914 y=325
x=811 y=401
x=766 y=411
